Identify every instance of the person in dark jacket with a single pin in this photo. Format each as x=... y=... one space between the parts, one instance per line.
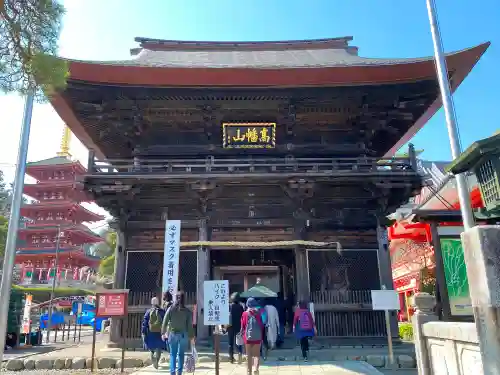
x=289 y=308
x=280 y=306
x=151 y=331
x=167 y=300
x=234 y=328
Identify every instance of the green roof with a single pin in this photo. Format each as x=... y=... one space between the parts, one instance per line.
x=474 y=154
x=56 y=160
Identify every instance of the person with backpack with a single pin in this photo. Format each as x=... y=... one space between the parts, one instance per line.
x=252 y=329
x=151 y=331
x=264 y=348
x=304 y=327
x=177 y=327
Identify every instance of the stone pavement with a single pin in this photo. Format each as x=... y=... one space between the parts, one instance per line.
x=282 y=368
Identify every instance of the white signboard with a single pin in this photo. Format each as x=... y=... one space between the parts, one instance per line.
x=171 y=256
x=385 y=300
x=216 y=302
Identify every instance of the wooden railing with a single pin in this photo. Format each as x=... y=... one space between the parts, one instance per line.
x=139 y=302
x=144 y=298
x=347 y=314
x=210 y=166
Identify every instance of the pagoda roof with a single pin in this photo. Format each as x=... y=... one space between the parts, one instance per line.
x=64 y=252
x=56 y=160
x=72 y=228
x=32 y=189
x=277 y=65
x=54 y=163
x=62 y=204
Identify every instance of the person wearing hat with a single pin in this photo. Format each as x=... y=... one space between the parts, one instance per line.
x=252 y=329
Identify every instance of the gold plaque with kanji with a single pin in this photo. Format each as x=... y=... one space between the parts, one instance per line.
x=249 y=135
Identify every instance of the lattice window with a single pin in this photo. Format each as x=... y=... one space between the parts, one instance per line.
x=486 y=176
x=349 y=270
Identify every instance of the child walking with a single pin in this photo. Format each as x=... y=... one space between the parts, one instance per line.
x=304 y=328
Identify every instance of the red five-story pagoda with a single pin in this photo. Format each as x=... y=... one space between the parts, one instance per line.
x=56 y=210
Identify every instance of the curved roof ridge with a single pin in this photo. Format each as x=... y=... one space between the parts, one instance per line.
x=165 y=44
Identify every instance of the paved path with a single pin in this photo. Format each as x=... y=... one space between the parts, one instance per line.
x=281 y=368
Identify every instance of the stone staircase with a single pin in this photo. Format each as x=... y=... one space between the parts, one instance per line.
x=374 y=351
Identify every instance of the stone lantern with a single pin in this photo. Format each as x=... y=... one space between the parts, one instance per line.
x=483 y=158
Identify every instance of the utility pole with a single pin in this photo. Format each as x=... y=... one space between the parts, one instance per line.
x=15 y=215
x=54 y=281
x=449 y=112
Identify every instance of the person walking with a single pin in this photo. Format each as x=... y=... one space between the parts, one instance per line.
x=177 y=328
x=151 y=331
x=280 y=306
x=234 y=328
x=167 y=300
x=273 y=324
x=167 y=303
x=252 y=329
x=304 y=328
x=260 y=307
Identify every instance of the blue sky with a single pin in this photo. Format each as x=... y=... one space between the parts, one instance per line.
x=105 y=30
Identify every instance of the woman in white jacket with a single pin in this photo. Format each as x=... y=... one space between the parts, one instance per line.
x=273 y=325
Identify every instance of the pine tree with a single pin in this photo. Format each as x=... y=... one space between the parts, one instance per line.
x=29 y=33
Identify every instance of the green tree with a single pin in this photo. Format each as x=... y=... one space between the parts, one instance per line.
x=29 y=34
x=4 y=196
x=107 y=247
x=4 y=225
x=107 y=266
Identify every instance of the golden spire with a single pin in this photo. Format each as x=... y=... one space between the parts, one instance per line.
x=65 y=142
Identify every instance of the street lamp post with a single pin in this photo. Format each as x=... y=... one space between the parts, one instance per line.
x=449 y=112
x=54 y=281
x=15 y=215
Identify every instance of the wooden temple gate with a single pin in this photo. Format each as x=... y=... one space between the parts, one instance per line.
x=255 y=142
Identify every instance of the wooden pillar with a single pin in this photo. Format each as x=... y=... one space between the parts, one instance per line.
x=301 y=272
x=203 y=274
x=385 y=272
x=118 y=279
x=91 y=162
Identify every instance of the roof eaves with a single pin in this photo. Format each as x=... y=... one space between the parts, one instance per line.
x=474 y=154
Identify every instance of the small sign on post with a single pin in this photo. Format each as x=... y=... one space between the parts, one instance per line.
x=386 y=300
x=111 y=303
x=216 y=311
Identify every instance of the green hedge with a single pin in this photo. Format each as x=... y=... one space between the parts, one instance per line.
x=43 y=293
x=406 y=331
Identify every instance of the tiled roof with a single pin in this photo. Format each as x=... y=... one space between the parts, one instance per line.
x=57 y=160
x=263 y=55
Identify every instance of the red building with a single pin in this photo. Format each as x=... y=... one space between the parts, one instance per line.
x=56 y=212
x=411 y=241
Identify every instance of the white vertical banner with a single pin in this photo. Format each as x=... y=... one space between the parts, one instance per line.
x=171 y=256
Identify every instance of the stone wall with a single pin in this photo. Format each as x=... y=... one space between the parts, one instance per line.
x=444 y=348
